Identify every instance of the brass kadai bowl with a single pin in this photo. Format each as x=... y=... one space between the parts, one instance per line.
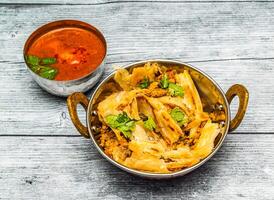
x=208 y=89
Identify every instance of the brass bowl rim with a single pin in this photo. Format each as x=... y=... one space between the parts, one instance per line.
x=65 y=23
x=158 y=175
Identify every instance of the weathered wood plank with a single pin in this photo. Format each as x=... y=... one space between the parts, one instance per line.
x=232 y=42
x=239 y=35
x=104 y=2
x=26 y=109
x=144 y=30
x=71 y=168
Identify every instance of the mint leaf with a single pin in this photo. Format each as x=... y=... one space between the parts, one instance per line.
x=48 y=72
x=112 y=121
x=164 y=82
x=48 y=61
x=179 y=116
x=175 y=90
x=32 y=60
x=44 y=71
x=121 y=122
x=123 y=118
x=149 y=124
x=127 y=128
x=42 y=66
x=144 y=83
x=35 y=68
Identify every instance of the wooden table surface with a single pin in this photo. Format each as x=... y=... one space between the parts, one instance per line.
x=42 y=156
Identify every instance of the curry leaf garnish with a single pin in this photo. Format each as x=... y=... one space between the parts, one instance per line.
x=179 y=116
x=42 y=66
x=121 y=122
x=175 y=90
x=164 y=82
x=149 y=124
x=144 y=83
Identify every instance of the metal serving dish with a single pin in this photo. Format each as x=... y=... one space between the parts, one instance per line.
x=208 y=89
x=65 y=88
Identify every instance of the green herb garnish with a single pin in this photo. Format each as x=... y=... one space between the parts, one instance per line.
x=179 y=116
x=175 y=90
x=32 y=60
x=127 y=128
x=121 y=122
x=149 y=124
x=48 y=61
x=48 y=72
x=42 y=66
x=144 y=83
x=164 y=82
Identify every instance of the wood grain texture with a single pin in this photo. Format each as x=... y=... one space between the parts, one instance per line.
x=105 y=2
x=232 y=42
x=71 y=168
x=206 y=31
x=29 y=110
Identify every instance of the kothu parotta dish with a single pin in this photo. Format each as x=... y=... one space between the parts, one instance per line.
x=155 y=121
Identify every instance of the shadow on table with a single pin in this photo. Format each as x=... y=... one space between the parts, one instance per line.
x=124 y=185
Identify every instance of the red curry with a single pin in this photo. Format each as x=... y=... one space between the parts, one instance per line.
x=78 y=52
